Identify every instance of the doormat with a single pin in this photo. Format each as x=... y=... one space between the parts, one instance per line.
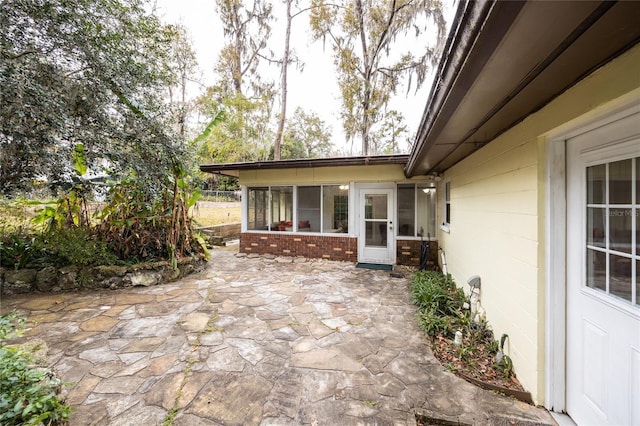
x=374 y=266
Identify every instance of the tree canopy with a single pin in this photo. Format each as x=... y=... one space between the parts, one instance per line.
x=247 y=29
x=90 y=72
x=369 y=44
x=110 y=77
x=306 y=136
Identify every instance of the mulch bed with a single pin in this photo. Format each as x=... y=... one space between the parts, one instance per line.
x=476 y=364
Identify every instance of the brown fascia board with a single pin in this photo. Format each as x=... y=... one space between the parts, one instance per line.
x=233 y=169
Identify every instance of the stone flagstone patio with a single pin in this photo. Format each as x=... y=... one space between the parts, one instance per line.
x=256 y=341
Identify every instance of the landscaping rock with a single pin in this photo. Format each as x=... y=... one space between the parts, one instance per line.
x=46 y=278
x=68 y=278
x=144 y=279
x=72 y=278
x=110 y=271
x=20 y=281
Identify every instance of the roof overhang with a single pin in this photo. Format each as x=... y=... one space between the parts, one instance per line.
x=233 y=169
x=505 y=60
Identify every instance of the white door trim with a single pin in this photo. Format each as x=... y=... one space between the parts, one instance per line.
x=391 y=233
x=555 y=235
x=555 y=275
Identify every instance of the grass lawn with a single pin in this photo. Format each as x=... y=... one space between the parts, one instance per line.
x=207 y=213
x=211 y=213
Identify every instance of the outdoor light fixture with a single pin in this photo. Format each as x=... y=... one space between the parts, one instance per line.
x=344 y=187
x=435 y=176
x=430 y=190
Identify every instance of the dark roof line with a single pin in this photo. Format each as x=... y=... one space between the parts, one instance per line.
x=231 y=169
x=469 y=20
x=584 y=26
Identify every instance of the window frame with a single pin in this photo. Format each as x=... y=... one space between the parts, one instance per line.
x=446 y=207
x=415 y=235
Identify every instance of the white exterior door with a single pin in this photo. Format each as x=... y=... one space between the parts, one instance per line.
x=376 y=242
x=603 y=275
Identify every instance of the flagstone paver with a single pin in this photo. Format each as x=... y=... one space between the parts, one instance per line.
x=255 y=341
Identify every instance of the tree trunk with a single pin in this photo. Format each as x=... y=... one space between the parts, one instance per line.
x=183 y=110
x=283 y=107
x=237 y=72
x=366 y=66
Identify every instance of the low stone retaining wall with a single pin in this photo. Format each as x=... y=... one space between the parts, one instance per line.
x=71 y=278
x=220 y=234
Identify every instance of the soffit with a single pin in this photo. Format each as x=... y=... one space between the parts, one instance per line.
x=522 y=56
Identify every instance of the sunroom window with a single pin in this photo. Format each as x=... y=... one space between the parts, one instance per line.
x=309 y=208
x=416 y=210
x=335 y=208
x=282 y=208
x=257 y=209
x=318 y=208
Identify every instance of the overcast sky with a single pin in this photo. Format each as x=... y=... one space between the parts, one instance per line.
x=313 y=89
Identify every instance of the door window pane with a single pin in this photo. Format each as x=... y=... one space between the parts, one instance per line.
x=375 y=206
x=309 y=209
x=637 y=230
x=620 y=222
x=638 y=180
x=596 y=225
x=596 y=184
x=596 y=269
x=638 y=282
x=620 y=276
x=620 y=182
x=376 y=234
x=335 y=208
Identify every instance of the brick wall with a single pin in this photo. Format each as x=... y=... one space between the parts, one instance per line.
x=408 y=253
x=334 y=248
x=310 y=246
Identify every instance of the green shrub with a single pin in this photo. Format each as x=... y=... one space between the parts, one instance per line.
x=74 y=246
x=133 y=225
x=16 y=251
x=58 y=247
x=28 y=394
x=441 y=313
x=439 y=301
